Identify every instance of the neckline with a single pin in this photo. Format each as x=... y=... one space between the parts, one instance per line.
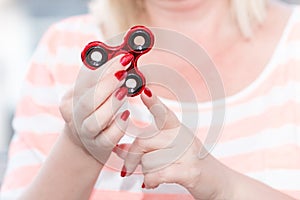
x=269 y=67
x=271 y=64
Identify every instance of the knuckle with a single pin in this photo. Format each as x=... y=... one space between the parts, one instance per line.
x=84 y=105
x=144 y=162
x=161 y=173
x=87 y=127
x=144 y=165
x=151 y=181
x=117 y=128
x=68 y=94
x=107 y=142
x=147 y=179
x=62 y=108
x=65 y=111
x=140 y=143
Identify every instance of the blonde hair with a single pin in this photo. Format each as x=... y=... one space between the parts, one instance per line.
x=119 y=15
x=246 y=13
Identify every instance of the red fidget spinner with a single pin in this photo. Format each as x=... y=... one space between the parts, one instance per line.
x=137 y=41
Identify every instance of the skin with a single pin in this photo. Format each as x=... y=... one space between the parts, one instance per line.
x=204 y=177
x=72 y=168
x=221 y=38
x=84 y=146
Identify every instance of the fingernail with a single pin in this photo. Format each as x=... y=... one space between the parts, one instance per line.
x=121 y=93
x=126 y=59
x=125 y=115
x=148 y=92
x=123 y=172
x=143 y=186
x=120 y=75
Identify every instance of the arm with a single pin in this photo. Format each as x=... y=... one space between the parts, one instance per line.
x=37 y=124
x=92 y=130
x=228 y=183
x=68 y=173
x=179 y=162
x=247 y=188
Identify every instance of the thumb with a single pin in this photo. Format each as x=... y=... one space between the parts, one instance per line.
x=163 y=116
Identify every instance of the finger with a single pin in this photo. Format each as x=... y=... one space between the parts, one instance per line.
x=113 y=134
x=144 y=148
x=96 y=96
x=164 y=117
x=180 y=141
x=171 y=174
x=138 y=149
x=65 y=106
x=88 y=78
x=133 y=158
x=100 y=119
x=94 y=86
x=156 y=160
x=121 y=150
x=102 y=146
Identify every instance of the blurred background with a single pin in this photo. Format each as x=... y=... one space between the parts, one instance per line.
x=22 y=23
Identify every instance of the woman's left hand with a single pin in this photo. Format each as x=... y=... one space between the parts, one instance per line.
x=171 y=155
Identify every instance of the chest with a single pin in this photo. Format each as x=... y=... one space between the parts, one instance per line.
x=235 y=70
x=238 y=61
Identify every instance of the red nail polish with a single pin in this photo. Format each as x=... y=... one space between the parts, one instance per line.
x=126 y=59
x=121 y=93
x=123 y=172
x=125 y=115
x=120 y=75
x=143 y=186
x=148 y=92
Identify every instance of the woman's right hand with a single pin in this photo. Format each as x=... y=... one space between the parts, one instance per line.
x=89 y=109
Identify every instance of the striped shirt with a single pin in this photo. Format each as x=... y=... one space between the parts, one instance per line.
x=260 y=136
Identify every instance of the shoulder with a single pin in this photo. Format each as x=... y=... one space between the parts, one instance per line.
x=291 y=45
x=294 y=34
x=80 y=23
x=59 y=50
x=75 y=31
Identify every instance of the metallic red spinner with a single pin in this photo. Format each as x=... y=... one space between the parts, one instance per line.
x=137 y=41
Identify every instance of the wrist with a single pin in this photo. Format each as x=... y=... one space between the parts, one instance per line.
x=212 y=179
x=77 y=152
x=68 y=172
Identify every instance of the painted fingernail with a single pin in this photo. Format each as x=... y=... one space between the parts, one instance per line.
x=126 y=59
x=123 y=172
x=143 y=186
x=148 y=92
x=125 y=115
x=121 y=93
x=120 y=75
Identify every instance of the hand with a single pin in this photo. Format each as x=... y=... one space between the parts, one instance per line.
x=172 y=156
x=89 y=109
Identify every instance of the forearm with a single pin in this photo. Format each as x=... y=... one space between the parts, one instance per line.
x=248 y=188
x=68 y=173
x=230 y=184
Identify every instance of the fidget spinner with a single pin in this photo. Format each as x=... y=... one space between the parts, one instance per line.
x=137 y=41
